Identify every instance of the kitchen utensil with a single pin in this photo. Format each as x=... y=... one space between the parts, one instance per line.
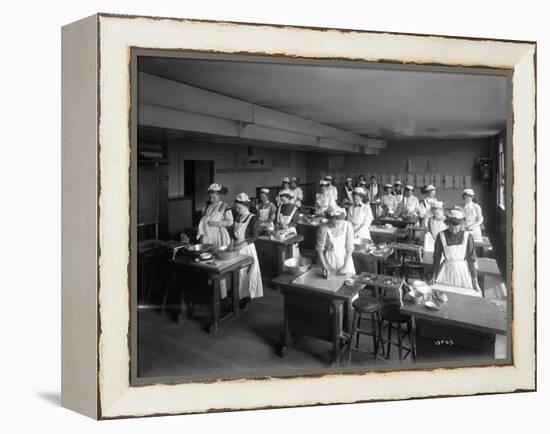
x=297 y=266
x=195 y=250
x=226 y=252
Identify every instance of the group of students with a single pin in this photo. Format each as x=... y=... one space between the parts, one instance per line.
x=239 y=226
x=449 y=237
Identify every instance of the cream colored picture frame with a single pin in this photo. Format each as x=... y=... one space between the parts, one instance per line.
x=96 y=182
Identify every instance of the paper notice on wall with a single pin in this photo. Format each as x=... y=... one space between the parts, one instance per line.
x=459 y=181
x=447 y=181
x=437 y=180
x=419 y=179
x=467 y=181
x=384 y=178
x=410 y=179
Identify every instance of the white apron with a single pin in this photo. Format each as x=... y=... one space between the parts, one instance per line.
x=470 y=217
x=217 y=236
x=349 y=194
x=335 y=255
x=250 y=283
x=285 y=220
x=454 y=268
x=264 y=217
x=434 y=227
x=359 y=215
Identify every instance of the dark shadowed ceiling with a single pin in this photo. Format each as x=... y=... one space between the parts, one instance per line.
x=382 y=103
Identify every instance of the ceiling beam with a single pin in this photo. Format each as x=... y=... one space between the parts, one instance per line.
x=158 y=91
x=163 y=117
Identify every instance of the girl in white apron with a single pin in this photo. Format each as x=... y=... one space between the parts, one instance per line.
x=285 y=217
x=473 y=217
x=360 y=214
x=348 y=192
x=266 y=210
x=335 y=243
x=216 y=218
x=245 y=232
x=297 y=192
x=324 y=199
x=453 y=264
x=434 y=225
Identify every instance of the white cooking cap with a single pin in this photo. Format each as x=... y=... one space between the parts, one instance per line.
x=469 y=192
x=242 y=198
x=359 y=190
x=409 y=187
x=264 y=190
x=429 y=188
x=215 y=187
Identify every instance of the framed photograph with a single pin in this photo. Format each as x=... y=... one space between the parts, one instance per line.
x=260 y=216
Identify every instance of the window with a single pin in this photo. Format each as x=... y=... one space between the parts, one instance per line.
x=501 y=174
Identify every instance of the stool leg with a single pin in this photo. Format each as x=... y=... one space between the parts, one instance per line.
x=389 y=340
x=352 y=335
x=357 y=328
x=399 y=342
x=411 y=340
x=374 y=334
x=380 y=340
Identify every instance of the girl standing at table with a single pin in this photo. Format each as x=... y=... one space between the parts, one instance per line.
x=324 y=198
x=454 y=255
x=297 y=192
x=216 y=218
x=335 y=243
x=347 y=192
x=287 y=213
x=360 y=214
x=434 y=224
x=244 y=232
x=473 y=217
x=266 y=210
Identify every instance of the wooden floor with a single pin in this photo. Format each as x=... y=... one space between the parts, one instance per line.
x=246 y=346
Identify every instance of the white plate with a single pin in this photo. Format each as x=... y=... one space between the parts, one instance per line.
x=431 y=305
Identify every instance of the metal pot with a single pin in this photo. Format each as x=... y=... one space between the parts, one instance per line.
x=226 y=252
x=297 y=266
x=195 y=250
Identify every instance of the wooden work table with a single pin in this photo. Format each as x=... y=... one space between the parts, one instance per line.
x=398 y=222
x=386 y=235
x=193 y=276
x=464 y=326
x=272 y=253
x=311 y=311
x=364 y=261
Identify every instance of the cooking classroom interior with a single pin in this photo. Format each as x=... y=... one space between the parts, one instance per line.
x=249 y=124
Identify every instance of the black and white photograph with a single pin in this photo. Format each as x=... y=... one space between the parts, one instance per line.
x=297 y=217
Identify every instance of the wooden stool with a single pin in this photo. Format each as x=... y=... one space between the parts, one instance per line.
x=391 y=314
x=414 y=270
x=365 y=306
x=393 y=267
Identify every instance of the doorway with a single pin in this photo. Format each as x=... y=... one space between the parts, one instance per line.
x=198 y=175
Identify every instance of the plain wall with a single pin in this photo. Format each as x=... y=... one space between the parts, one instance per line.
x=228 y=157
